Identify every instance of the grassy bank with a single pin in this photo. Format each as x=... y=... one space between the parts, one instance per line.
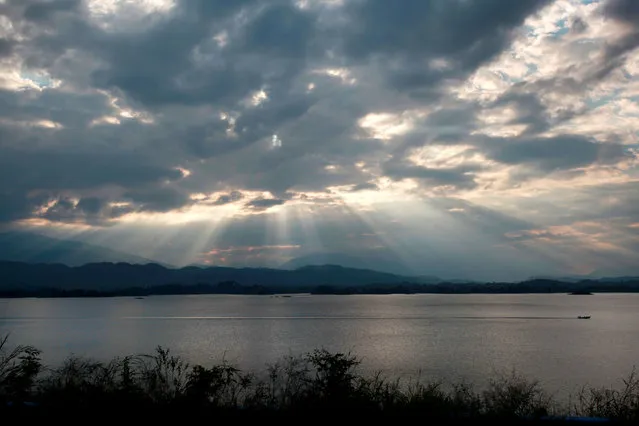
x=312 y=386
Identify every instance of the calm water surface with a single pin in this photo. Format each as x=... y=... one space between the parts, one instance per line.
x=449 y=337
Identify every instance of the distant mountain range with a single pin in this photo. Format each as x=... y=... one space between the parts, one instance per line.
x=31 y=262
x=18 y=279
x=29 y=247
x=111 y=276
x=591 y=277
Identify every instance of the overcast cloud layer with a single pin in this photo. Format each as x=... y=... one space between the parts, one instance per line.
x=488 y=139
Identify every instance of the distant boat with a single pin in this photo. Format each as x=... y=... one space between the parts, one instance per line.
x=139 y=297
x=580 y=293
x=584 y=317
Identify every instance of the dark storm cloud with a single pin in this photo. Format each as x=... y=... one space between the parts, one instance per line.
x=282 y=30
x=264 y=203
x=6 y=47
x=91 y=205
x=100 y=211
x=303 y=172
x=66 y=210
x=38 y=166
x=254 y=125
x=158 y=66
x=625 y=13
x=366 y=186
x=89 y=210
x=60 y=209
x=228 y=198
x=75 y=111
x=563 y=152
x=187 y=66
x=529 y=109
x=153 y=68
x=464 y=33
x=433 y=27
x=315 y=134
x=622 y=10
x=527 y=100
x=458 y=177
x=22 y=170
x=16 y=206
x=39 y=11
x=447 y=126
x=578 y=25
x=158 y=199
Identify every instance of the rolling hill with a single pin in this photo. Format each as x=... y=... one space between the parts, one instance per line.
x=18 y=246
x=113 y=276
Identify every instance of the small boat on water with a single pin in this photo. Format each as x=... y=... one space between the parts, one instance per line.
x=584 y=317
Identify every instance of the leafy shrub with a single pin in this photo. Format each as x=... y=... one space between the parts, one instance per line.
x=19 y=368
x=220 y=386
x=515 y=396
x=317 y=382
x=621 y=404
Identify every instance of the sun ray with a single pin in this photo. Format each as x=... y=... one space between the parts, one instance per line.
x=396 y=247
x=304 y=217
x=278 y=235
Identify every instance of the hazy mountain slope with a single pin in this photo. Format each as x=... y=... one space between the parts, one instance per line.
x=377 y=263
x=34 y=248
x=109 y=276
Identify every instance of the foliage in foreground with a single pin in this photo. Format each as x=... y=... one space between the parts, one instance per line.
x=319 y=381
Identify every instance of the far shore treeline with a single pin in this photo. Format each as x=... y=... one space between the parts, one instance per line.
x=122 y=279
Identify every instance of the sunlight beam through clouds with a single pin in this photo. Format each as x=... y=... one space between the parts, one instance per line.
x=455 y=138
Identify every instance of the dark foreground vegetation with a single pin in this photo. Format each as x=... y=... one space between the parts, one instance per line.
x=313 y=386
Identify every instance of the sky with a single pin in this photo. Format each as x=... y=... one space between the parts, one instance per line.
x=485 y=139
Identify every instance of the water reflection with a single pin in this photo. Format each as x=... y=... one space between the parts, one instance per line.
x=443 y=336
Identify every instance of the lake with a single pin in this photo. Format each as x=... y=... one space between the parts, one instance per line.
x=449 y=337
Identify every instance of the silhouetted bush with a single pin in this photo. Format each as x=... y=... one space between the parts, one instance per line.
x=312 y=384
x=19 y=368
x=621 y=404
x=220 y=386
x=515 y=396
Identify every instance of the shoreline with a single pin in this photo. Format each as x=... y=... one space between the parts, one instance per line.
x=142 y=294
